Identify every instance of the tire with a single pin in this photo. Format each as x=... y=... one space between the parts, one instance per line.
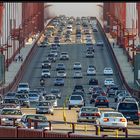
x=136 y=122
x=52 y=113
x=101 y=129
x=69 y=108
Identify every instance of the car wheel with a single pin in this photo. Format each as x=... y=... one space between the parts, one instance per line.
x=69 y=108
x=136 y=122
x=52 y=114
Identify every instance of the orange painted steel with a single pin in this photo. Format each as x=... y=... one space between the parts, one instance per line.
x=29 y=133
x=1 y=16
x=8 y=132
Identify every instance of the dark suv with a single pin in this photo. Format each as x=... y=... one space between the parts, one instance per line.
x=78 y=88
x=130 y=110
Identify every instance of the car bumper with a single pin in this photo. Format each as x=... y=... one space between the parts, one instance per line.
x=87 y=119
x=101 y=104
x=114 y=124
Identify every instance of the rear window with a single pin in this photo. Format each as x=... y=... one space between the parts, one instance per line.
x=89 y=109
x=127 y=106
x=76 y=98
x=113 y=115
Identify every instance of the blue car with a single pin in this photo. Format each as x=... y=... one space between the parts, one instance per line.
x=59 y=82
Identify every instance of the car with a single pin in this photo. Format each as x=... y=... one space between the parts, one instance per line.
x=34 y=96
x=88 y=114
x=129 y=99
x=121 y=96
x=78 y=74
x=79 y=93
x=110 y=120
x=90 y=54
x=75 y=101
x=130 y=110
x=68 y=39
x=91 y=71
x=61 y=74
x=46 y=64
x=55 y=52
x=93 y=81
x=78 y=87
x=59 y=82
x=51 y=57
x=111 y=90
x=51 y=98
x=56 y=92
x=23 y=99
x=9 y=105
x=60 y=66
x=44 y=44
x=93 y=89
x=94 y=96
x=118 y=92
x=108 y=82
x=11 y=100
x=64 y=56
x=41 y=119
x=23 y=87
x=41 y=91
x=77 y=65
x=44 y=107
x=10 y=94
x=46 y=73
x=100 y=43
x=8 y=114
x=108 y=71
x=101 y=101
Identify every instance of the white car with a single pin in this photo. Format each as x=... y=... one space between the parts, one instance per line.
x=64 y=56
x=108 y=81
x=108 y=71
x=89 y=54
x=91 y=71
x=99 y=43
x=77 y=65
x=61 y=73
x=23 y=87
x=78 y=74
x=75 y=101
x=51 y=98
x=46 y=73
x=112 y=119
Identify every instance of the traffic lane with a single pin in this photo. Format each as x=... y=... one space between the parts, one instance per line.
x=71 y=116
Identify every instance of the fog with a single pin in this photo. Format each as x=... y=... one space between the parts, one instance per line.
x=74 y=9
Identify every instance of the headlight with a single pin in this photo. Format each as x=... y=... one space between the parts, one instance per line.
x=18 y=120
x=4 y=119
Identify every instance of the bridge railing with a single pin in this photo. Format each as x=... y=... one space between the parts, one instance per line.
x=134 y=92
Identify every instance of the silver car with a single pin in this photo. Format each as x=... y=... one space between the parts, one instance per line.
x=33 y=96
x=51 y=98
x=44 y=107
x=41 y=119
x=88 y=114
x=78 y=74
x=8 y=114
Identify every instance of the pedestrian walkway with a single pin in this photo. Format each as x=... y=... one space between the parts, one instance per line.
x=15 y=65
x=126 y=67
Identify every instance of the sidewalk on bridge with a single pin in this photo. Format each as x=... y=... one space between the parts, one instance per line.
x=126 y=67
x=14 y=67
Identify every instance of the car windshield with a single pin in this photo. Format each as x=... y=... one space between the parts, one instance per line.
x=23 y=86
x=44 y=104
x=75 y=98
x=37 y=117
x=21 y=96
x=33 y=95
x=127 y=106
x=11 y=112
x=55 y=90
x=50 y=97
x=11 y=101
x=89 y=109
x=113 y=115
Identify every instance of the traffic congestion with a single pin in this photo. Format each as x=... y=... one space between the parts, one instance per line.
x=71 y=69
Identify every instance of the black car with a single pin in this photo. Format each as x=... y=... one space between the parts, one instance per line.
x=130 y=110
x=93 y=81
x=93 y=97
x=78 y=88
x=46 y=64
x=101 y=101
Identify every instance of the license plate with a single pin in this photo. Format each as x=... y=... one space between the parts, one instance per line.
x=114 y=123
x=89 y=117
x=102 y=100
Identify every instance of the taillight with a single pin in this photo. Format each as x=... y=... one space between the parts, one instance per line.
x=106 y=119
x=97 y=100
x=96 y=114
x=123 y=120
x=106 y=101
x=83 y=114
x=138 y=114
